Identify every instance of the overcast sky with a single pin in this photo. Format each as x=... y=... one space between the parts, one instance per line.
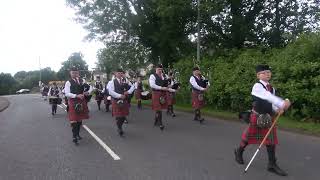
x=30 y=29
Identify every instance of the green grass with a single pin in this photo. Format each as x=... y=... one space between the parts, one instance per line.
x=284 y=122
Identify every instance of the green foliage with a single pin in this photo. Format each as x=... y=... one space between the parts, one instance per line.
x=75 y=59
x=7 y=84
x=127 y=55
x=232 y=75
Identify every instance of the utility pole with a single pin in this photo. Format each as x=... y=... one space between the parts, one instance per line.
x=198 y=30
x=40 y=83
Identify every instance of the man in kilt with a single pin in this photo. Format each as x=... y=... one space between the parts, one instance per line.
x=138 y=90
x=78 y=109
x=54 y=97
x=120 y=91
x=199 y=87
x=171 y=94
x=265 y=102
x=106 y=97
x=159 y=86
x=98 y=89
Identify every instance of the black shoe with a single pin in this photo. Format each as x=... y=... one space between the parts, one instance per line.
x=156 y=123
x=126 y=121
x=75 y=140
x=79 y=137
x=274 y=168
x=173 y=115
x=238 y=156
x=52 y=113
x=161 y=127
x=201 y=120
x=121 y=133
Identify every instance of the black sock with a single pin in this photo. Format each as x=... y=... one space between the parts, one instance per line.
x=271 y=153
x=74 y=130
x=79 y=127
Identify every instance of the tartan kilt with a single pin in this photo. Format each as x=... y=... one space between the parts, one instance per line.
x=99 y=97
x=44 y=93
x=66 y=101
x=106 y=101
x=254 y=135
x=156 y=106
x=73 y=116
x=196 y=104
x=171 y=97
x=118 y=111
x=137 y=94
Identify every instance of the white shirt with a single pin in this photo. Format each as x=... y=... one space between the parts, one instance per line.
x=259 y=91
x=49 y=92
x=136 y=85
x=195 y=85
x=68 y=91
x=152 y=83
x=112 y=92
x=90 y=89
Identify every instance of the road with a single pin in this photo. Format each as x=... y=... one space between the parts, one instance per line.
x=37 y=145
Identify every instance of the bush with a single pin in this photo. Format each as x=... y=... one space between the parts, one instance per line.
x=295 y=76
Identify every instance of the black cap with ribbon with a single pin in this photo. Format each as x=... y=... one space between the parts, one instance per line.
x=196 y=68
x=120 y=70
x=74 y=68
x=159 y=66
x=262 y=67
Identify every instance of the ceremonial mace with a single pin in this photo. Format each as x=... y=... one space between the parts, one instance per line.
x=264 y=139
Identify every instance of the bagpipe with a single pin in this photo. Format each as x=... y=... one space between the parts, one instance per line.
x=172 y=78
x=86 y=89
x=146 y=95
x=55 y=100
x=205 y=78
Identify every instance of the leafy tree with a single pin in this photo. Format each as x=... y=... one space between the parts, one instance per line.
x=231 y=23
x=162 y=26
x=7 y=84
x=127 y=55
x=75 y=59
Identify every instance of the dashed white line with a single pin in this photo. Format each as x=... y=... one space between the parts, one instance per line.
x=62 y=108
x=109 y=150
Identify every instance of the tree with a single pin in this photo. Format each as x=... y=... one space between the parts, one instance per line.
x=31 y=79
x=168 y=28
x=162 y=26
x=75 y=59
x=127 y=55
x=20 y=76
x=7 y=84
x=274 y=23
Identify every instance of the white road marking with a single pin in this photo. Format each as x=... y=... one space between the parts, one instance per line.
x=109 y=150
x=62 y=108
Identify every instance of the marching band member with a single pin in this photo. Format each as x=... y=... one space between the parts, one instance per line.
x=78 y=109
x=54 y=97
x=159 y=85
x=138 y=90
x=199 y=86
x=120 y=91
x=265 y=103
x=171 y=94
x=107 y=97
x=99 y=95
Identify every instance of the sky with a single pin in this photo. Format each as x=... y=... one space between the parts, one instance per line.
x=40 y=33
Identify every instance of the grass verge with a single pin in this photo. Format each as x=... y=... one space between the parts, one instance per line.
x=284 y=123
